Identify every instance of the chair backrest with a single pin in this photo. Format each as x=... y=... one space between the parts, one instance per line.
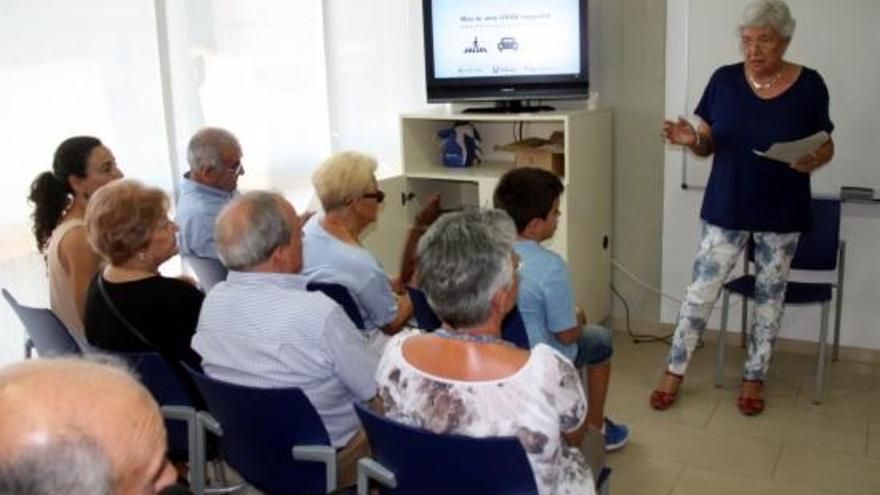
x=340 y=294
x=167 y=387
x=158 y=376
x=260 y=427
x=429 y=463
x=513 y=328
x=49 y=335
x=209 y=271
x=425 y=317
x=817 y=247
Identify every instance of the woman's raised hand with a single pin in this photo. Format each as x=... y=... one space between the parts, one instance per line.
x=680 y=132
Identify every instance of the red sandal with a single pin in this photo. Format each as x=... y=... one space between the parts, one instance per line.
x=751 y=406
x=662 y=400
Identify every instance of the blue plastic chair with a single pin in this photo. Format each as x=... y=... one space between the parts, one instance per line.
x=412 y=460
x=408 y=460
x=424 y=315
x=513 y=328
x=272 y=437
x=819 y=249
x=340 y=294
x=179 y=407
x=209 y=271
x=46 y=333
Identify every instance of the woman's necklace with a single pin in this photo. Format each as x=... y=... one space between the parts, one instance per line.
x=761 y=86
x=469 y=337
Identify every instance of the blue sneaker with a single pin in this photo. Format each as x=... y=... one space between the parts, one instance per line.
x=616 y=435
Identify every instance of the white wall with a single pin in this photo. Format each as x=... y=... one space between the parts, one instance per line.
x=627 y=47
x=860 y=223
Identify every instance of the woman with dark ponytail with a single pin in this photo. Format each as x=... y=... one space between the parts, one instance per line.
x=81 y=165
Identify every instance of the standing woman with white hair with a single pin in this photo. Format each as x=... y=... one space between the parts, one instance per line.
x=745 y=107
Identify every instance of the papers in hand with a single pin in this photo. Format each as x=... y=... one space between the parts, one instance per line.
x=792 y=151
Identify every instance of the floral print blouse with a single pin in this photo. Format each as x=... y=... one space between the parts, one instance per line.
x=536 y=404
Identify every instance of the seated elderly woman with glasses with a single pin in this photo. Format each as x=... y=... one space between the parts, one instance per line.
x=130 y=307
x=332 y=253
x=464 y=379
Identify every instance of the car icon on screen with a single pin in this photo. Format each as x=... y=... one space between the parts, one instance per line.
x=508 y=43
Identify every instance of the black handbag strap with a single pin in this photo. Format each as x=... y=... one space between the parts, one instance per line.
x=127 y=324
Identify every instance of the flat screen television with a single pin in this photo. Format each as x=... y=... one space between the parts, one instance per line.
x=505 y=51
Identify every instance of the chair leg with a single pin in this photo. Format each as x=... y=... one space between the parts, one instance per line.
x=837 y=308
x=220 y=472
x=605 y=487
x=197 y=457
x=822 y=359
x=722 y=341
x=838 y=302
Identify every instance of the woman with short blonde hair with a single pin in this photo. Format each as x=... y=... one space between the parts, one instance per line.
x=332 y=253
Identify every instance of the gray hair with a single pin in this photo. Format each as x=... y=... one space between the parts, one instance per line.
x=206 y=146
x=772 y=14
x=463 y=261
x=245 y=242
x=75 y=465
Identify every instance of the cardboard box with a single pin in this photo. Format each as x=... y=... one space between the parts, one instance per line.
x=548 y=154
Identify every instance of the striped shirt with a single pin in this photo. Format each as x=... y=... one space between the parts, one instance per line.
x=266 y=330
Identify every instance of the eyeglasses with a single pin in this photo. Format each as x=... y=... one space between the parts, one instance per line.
x=237 y=170
x=379 y=196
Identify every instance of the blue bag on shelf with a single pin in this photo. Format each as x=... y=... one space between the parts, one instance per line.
x=460 y=145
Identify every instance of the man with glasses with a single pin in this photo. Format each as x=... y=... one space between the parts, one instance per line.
x=214 y=157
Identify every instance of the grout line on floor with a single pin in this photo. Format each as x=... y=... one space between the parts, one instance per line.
x=678 y=477
x=712 y=414
x=776 y=462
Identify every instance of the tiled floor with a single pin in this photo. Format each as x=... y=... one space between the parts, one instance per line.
x=704 y=446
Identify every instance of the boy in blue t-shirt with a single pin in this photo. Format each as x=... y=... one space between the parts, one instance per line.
x=531 y=197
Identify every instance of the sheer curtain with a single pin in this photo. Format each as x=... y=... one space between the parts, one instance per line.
x=293 y=79
x=86 y=67
x=376 y=71
x=256 y=68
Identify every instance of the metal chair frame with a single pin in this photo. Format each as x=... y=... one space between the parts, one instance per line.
x=822 y=357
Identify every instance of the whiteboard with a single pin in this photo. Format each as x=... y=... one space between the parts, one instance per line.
x=840 y=39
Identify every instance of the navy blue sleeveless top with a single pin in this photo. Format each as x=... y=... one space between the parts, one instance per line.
x=746 y=191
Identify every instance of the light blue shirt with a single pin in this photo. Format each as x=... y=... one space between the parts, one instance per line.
x=545 y=296
x=197 y=210
x=265 y=330
x=327 y=259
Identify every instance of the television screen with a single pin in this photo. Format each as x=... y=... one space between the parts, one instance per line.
x=505 y=49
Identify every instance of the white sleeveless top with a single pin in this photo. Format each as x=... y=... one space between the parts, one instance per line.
x=61 y=298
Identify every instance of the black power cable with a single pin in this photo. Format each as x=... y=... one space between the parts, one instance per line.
x=640 y=338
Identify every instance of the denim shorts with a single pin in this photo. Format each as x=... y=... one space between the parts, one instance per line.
x=595 y=346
